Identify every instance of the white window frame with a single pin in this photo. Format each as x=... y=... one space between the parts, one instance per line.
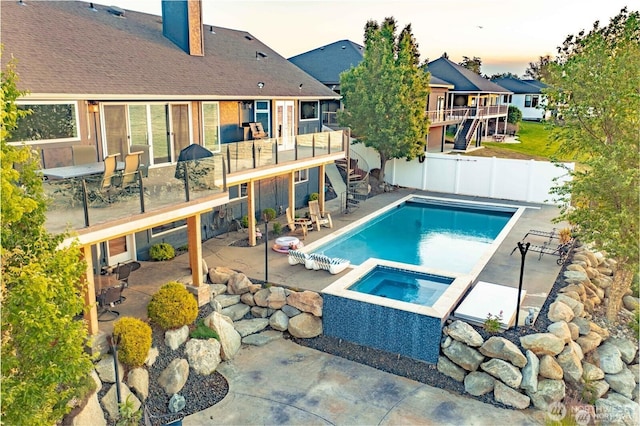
x=240 y=196
x=317 y=110
x=301 y=176
x=204 y=141
x=48 y=141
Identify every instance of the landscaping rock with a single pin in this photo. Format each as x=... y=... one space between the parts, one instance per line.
x=589 y=342
x=463 y=355
x=583 y=325
x=227 y=300
x=530 y=373
x=570 y=361
x=478 y=383
x=594 y=390
x=177 y=403
x=261 y=339
x=550 y=369
x=504 y=371
x=448 y=368
x=305 y=326
x=602 y=281
x=578 y=288
x=217 y=289
x=279 y=321
x=574 y=330
x=175 y=338
x=247 y=299
x=238 y=284
x=91 y=414
x=635 y=370
x=595 y=328
x=561 y=330
x=138 y=381
x=229 y=338
x=559 y=311
x=173 y=378
x=290 y=311
x=543 y=343
x=250 y=326
x=236 y=312
x=627 y=348
x=110 y=400
x=306 y=301
x=220 y=275
x=106 y=370
x=463 y=332
x=549 y=391
x=260 y=312
x=499 y=347
x=591 y=373
x=617 y=409
x=152 y=356
x=510 y=397
x=624 y=383
x=576 y=307
x=631 y=303
x=203 y=355
x=607 y=356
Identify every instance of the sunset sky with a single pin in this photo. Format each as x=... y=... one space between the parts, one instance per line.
x=505 y=34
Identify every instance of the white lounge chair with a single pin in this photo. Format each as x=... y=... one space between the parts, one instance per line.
x=296 y=257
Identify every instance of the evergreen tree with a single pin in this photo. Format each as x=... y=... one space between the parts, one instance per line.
x=385 y=96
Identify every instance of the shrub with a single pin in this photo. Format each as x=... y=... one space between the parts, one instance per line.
x=277 y=228
x=313 y=196
x=514 y=115
x=244 y=221
x=492 y=323
x=172 y=306
x=135 y=340
x=634 y=324
x=203 y=332
x=269 y=212
x=162 y=251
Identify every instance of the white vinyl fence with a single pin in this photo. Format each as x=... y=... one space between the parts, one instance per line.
x=519 y=180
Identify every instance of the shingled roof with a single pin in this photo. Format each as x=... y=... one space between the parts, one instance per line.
x=327 y=62
x=518 y=86
x=463 y=79
x=65 y=49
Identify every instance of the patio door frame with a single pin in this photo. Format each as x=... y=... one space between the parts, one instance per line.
x=285 y=124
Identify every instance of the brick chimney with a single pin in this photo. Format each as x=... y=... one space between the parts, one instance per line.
x=182 y=24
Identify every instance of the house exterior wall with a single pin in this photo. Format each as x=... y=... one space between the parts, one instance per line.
x=528 y=113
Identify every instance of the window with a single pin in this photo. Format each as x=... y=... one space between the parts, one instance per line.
x=168 y=227
x=301 y=176
x=531 y=101
x=506 y=99
x=211 y=126
x=238 y=192
x=309 y=110
x=48 y=122
x=262 y=115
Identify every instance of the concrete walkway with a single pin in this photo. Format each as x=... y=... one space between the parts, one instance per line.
x=284 y=383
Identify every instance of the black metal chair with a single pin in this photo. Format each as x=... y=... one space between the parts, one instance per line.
x=123 y=271
x=107 y=299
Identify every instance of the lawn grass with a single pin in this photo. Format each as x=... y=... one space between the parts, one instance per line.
x=534 y=141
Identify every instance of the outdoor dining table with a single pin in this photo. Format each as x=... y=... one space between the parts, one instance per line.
x=80 y=170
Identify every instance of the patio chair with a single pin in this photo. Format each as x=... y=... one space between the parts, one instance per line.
x=99 y=189
x=107 y=299
x=296 y=257
x=83 y=154
x=129 y=177
x=297 y=226
x=317 y=217
x=257 y=131
x=123 y=270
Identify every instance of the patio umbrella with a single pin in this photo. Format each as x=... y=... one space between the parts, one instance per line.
x=190 y=153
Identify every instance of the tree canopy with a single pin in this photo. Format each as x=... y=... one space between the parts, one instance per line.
x=474 y=64
x=43 y=357
x=385 y=96
x=594 y=97
x=539 y=70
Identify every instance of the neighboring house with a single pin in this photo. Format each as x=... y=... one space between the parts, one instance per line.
x=326 y=63
x=122 y=81
x=527 y=96
x=479 y=100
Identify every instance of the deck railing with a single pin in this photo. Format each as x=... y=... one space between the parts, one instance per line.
x=77 y=203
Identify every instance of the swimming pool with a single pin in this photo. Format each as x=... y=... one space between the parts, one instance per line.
x=429 y=233
x=380 y=296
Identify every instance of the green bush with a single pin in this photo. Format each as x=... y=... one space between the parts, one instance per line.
x=203 y=332
x=244 y=221
x=634 y=324
x=514 y=115
x=134 y=340
x=162 y=251
x=313 y=196
x=277 y=228
x=269 y=212
x=172 y=306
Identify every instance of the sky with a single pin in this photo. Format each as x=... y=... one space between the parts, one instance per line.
x=505 y=34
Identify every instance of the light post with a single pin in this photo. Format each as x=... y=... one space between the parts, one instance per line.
x=523 y=252
x=265 y=216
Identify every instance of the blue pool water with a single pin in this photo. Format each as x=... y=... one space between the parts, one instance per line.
x=449 y=237
x=406 y=286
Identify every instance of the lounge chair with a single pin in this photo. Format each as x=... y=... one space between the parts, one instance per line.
x=297 y=226
x=296 y=257
x=333 y=265
x=317 y=217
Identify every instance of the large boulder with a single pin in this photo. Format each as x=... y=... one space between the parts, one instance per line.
x=138 y=382
x=583 y=325
x=559 y=311
x=607 y=356
x=272 y=297
x=499 y=347
x=238 y=283
x=530 y=373
x=550 y=369
x=229 y=338
x=448 y=368
x=510 y=397
x=589 y=342
x=626 y=347
x=631 y=303
x=203 y=355
x=220 y=275
x=542 y=343
x=463 y=355
x=91 y=414
x=561 y=330
x=463 y=332
x=175 y=338
x=478 y=383
x=306 y=301
x=570 y=359
x=110 y=400
x=617 y=409
x=305 y=326
x=504 y=371
x=279 y=321
x=549 y=392
x=591 y=373
x=226 y=300
x=624 y=383
x=173 y=378
x=106 y=370
x=236 y=312
x=576 y=306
